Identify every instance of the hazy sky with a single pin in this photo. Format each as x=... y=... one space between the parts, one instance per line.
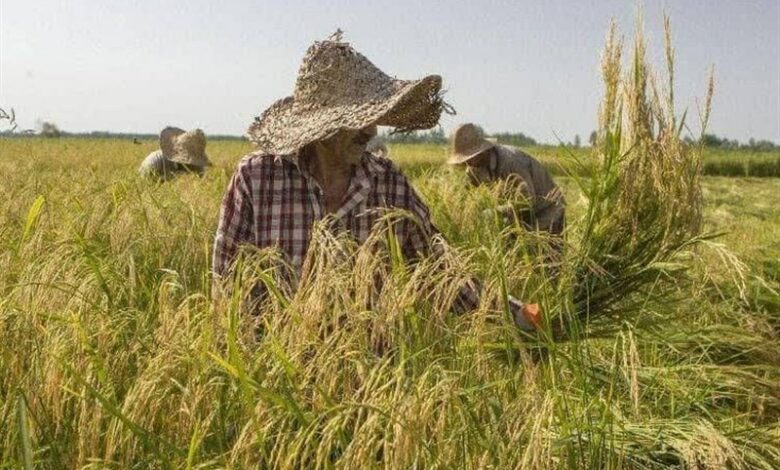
x=529 y=66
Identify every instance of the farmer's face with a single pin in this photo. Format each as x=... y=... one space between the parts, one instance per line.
x=351 y=144
x=478 y=168
x=482 y=160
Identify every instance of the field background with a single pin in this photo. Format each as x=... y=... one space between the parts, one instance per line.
x=114 y=355
x=717 y=162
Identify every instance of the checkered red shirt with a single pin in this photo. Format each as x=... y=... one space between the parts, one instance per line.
x=273 y=201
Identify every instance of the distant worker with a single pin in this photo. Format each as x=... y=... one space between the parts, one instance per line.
x=180 y=152
x=486 y=161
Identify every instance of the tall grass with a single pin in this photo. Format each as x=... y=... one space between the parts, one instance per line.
x=116 y=352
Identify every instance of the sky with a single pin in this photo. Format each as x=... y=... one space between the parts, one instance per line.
x=519 y=66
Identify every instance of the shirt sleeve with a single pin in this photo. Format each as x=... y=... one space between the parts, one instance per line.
x=153 y=164
x=548 y=204
x=235 y=222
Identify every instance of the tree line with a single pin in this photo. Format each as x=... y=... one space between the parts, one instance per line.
x=433 y=136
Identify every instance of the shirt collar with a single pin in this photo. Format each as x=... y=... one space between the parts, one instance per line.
x=368 y=163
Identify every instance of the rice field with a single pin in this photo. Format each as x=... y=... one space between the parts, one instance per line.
x=659 y=347
x=116 y=353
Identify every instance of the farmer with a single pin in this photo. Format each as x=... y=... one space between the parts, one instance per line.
x=312 y=163
x=486 y=161
x=180 y=152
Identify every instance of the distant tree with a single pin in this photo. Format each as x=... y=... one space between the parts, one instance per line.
x=517 y=139
x=593 y=138
x=49 y=129
x=712 y=140
x=437 y=135
x=577 y=141
x=758 y=145
x=761 y=145
x=434 y=136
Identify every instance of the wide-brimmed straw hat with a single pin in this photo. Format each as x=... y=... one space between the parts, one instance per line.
x=338 y=88
x=468 y=141
x=188 y=147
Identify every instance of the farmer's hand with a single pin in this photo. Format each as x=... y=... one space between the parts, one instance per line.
x=528 y=317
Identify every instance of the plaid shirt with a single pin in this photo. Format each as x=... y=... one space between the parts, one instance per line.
x=274 y=201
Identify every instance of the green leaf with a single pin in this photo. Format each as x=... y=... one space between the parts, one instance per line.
x=24 y=432
x=32 y=218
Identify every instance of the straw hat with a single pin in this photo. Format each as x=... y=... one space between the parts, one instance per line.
x=188 y=147
x=166 y=139
x=338 y=88
x=468 y=142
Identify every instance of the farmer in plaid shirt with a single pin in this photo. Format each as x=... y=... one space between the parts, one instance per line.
x=312 y=163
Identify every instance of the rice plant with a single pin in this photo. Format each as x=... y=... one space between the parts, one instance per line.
x=644 y=195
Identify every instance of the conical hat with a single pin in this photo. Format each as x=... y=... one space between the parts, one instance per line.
x=338 y=88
